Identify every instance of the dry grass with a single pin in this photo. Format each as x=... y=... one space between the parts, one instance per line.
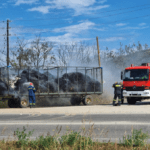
x=4 y=104
x=102 y=99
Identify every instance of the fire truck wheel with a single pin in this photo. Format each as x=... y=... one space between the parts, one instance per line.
x=12 y=103
x=24 y=102
x=75 y=100
x=131 y=100
x=88 y=100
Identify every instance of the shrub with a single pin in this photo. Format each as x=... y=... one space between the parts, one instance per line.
x=46 y=142
x=22 y=141
x=137 y=138
x=76 y=140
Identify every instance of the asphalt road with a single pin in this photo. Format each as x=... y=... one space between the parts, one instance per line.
x=106 y=126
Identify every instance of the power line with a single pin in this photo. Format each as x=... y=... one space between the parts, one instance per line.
x=82 y=15
x=87 y=19
x=84 y=27
x=2 y=21
x=98 y=24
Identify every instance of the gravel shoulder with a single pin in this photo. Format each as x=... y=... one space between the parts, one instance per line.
x=73 y=110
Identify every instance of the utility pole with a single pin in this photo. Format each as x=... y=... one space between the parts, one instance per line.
x=7 y=43
x=8 y=53
x=99 y=60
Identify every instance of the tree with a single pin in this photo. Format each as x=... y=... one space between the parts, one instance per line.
x=75 y=52
x=139 y=47
x=38 y=53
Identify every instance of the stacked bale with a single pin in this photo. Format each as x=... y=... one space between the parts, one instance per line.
x=23 y=76
x=69 y=82
x=3 y=87
x=37 y=79
x=73 y=82
x=93 y=86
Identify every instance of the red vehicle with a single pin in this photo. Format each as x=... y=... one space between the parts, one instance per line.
x=136 y=83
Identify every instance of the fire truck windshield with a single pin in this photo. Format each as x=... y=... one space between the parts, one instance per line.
x=136 y=74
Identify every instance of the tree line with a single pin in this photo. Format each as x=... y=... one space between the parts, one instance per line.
x=40 y=53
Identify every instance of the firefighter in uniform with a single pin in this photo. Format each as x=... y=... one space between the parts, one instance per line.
x=117 y=93
x=31 y=90
x=122 y=98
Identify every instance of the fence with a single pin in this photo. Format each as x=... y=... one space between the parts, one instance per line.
x=56 y=80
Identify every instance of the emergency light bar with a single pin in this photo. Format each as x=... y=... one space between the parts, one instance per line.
x=132 y=65
x=145 y=64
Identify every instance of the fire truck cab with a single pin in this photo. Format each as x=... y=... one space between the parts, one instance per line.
x=136 y=83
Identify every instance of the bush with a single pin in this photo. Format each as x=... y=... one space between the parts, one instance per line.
x=137 y=138
x=45 y=142
x=22 y=141
x=76 y=140
x=69 y=139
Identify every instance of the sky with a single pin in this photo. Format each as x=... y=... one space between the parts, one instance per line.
x=65 y=21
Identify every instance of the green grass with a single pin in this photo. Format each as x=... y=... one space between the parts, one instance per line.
x=138 y=138
x=4 y=104
x=72 y=140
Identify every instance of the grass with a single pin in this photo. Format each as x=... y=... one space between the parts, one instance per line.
x=4 y=104
x=72 y=140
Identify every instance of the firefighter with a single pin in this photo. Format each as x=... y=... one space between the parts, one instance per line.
x=31 y=90
x=117 y=93
x=122 y=98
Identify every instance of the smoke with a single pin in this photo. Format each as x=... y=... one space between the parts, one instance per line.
x=73 y=81
x=47 y=82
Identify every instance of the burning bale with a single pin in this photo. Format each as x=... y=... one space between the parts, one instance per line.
x=73 y=82
x=46 y=82
x=37 y=79
x=3 y=87
x=93 y=85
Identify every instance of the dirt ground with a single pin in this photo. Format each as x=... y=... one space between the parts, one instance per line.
x=53 y=102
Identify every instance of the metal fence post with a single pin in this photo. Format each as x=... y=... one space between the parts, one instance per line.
x=58 y=78
x=0 y=74
x=29 y=75
x=85 y=79
x=66 y=80
x=48 y=80
x=77 y=77
x=94 y=78
x=38 y=81
x=101 y=79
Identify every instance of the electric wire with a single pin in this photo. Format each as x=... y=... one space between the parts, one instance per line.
x=82 y=15
x=82 y=20
x=52 y=31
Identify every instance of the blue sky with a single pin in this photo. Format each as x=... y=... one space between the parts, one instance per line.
x=113 y=21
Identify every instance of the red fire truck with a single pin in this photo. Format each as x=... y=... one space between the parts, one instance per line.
x=136 y=83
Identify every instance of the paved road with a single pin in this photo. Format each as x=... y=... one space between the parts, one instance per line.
x=106 y=126
x=110 y=123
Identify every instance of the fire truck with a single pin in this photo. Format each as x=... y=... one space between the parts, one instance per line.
x=136 y=83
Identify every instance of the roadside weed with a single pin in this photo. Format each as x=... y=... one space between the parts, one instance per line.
x=75 y=141
x=138 y=138
x=22 y=137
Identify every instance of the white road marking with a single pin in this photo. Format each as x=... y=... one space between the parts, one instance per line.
x=75 y=123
